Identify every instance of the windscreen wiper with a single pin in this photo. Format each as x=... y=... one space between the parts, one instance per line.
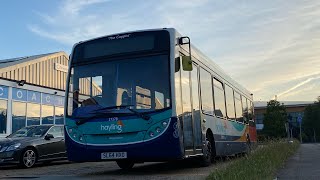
x=141 y=115
x=113 y=107
x=101 y=113
x=82 y=120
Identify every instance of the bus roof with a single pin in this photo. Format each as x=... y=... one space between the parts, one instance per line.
x=205 y=60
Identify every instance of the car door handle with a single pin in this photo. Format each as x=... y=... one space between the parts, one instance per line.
x=204 y=120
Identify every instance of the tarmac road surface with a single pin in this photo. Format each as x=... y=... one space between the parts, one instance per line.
x=305 y=164
x=185 y=169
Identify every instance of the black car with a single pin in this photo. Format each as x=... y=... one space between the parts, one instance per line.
x=28 y=145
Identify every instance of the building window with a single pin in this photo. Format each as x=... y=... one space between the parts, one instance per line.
x=18 y=115
x=3 y=116
x=47 y=114
x=33 y=114
x=59 y=115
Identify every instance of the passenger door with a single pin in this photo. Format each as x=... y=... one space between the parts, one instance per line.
x=196 y=115
x=187 y=113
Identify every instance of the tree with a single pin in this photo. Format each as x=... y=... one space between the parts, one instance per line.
x=311 y=121
x=275 y=119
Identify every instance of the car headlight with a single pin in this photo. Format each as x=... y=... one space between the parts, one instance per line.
x=3 y=148
x=13 y=147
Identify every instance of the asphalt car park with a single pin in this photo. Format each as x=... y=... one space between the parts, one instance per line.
x=185 y=169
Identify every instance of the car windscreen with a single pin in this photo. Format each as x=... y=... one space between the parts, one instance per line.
x=31 y=131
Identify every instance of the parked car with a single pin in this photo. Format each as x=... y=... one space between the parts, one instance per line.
x=28 y=145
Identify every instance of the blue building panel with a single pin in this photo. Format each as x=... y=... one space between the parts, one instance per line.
x=59 y=101
x=47 y=99
x=4 y=92
x=19 y=94
x=34 y=96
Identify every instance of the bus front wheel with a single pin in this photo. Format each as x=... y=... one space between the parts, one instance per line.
x=125 y=164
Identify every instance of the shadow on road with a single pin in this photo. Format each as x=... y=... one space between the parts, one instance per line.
x=39 y=164
x=161 y=168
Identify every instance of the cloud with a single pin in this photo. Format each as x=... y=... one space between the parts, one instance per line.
x=271 y=47
x=286 y=93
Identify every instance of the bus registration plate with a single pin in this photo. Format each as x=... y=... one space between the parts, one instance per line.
x=113 y=155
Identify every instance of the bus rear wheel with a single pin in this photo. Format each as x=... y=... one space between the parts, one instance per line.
x=125 y=164
x=207 y=156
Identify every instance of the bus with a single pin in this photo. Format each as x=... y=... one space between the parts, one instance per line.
x=151 y=96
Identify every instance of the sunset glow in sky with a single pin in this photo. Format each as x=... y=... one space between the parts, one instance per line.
x=270 y=47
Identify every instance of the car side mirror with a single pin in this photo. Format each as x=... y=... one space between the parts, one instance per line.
x=48 y=137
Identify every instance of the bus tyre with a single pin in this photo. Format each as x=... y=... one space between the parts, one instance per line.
x=207 y=154
x=125 y=164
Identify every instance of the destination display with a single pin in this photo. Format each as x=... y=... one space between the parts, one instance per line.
x=121 y=44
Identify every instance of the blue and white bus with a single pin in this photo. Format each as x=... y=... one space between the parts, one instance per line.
x=151 y=96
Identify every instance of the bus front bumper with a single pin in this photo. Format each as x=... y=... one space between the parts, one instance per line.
x=163 y=148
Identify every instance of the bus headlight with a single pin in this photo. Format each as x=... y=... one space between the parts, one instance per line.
x=156 y=129
x=151 y=134
x=75 y=134
x=164 y=124
x=81 y=138
x=70 y=130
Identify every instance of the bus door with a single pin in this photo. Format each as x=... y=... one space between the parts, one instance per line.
x=187 y=120
x=192 y=132
x=196 y=115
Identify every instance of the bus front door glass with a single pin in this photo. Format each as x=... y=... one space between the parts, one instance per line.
x=196 y=108
x=187 y=114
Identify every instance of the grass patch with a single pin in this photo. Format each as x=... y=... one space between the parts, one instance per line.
x=260 y=164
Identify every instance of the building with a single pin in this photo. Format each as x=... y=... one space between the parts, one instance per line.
x=295 y=111
x=32 y=91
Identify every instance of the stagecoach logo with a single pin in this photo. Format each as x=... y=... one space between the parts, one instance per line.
x=113 y=127
x=119 y=36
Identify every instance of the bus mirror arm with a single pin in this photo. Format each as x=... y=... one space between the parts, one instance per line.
x=186 y=60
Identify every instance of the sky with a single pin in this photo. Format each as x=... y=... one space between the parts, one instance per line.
x=270 y=47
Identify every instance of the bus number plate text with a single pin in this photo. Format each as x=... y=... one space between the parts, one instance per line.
x=113 y=155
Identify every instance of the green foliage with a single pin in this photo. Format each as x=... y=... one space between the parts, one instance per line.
x=311 y=122
x=275 y=119
x=261 y=164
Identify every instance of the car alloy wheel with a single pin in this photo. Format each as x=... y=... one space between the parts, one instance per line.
x=29 y=158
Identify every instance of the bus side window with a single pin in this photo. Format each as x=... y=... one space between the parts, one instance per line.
x=245 y=109
x=250 y=110
x=231 y=114
x=238 y=104
x=219 y=100
x=206 y=92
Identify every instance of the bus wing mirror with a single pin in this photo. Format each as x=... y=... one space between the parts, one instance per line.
x=177 y=64
x=186 y=63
